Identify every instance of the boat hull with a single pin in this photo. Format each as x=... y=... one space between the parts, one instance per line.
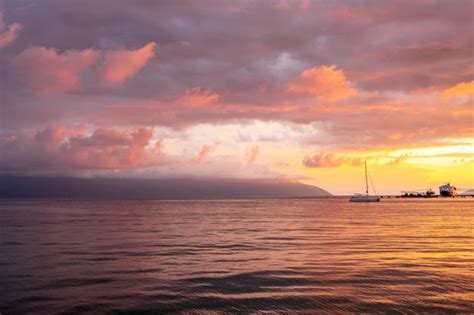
x=365 y=199
x=447 y=190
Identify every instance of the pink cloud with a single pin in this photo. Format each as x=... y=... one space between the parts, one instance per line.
x=204 y=152
x=111 y=149
x=122 y=64
x=400 y=56
x=58 y=149
x=281 y=5
x=252 y=153
x=159 y=146
x=109 y=137
x=50 y=137
x=51 y=72
x=324 y=83
x=197 y=97
x=8 y=33
x=323 y=160
x=374 y=118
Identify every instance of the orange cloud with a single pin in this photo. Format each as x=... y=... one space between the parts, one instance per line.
x=399 y=159
x=51 y=72
x=323 y=160
x=8 y=33
x=463 y=88
x=121 y=65
x=324 y=83
x=204 y=152
x=198 y=97
x=252 y=153
x=159 y=146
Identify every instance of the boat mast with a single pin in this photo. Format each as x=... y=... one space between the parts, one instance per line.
x=366 y=182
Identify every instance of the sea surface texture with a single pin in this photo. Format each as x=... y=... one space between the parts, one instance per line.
x=321 y=255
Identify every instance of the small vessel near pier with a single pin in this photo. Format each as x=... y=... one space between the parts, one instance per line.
x=365 y=197
x=422 y=193
x=447 y=190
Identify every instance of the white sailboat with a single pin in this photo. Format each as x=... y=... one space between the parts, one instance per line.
x=365 y=197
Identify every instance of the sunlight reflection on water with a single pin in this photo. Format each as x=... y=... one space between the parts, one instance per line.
x=236 y=256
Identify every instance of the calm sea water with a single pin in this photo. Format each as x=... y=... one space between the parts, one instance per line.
x=322 y=255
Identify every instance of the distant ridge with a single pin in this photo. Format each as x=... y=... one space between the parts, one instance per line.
x=132 y=188
x=469 y=192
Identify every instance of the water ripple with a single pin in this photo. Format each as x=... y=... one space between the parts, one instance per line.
x=236 y=256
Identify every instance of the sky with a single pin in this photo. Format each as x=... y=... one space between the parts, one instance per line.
x=302 y=91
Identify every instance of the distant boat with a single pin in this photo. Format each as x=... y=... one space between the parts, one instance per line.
x=365 y=197
x=428 y=193
x=447 y=190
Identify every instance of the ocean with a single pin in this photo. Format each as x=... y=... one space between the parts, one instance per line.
x=236 y=256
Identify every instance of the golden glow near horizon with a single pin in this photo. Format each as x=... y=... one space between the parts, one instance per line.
x=404 y=169
x=280 y=153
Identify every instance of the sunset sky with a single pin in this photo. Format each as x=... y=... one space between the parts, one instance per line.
x=289 y=90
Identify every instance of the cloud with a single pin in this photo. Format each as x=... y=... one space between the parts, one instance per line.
x=325 y=83
x=197 y=97
x=375 y=120
x=111 y=149
x=323 y=160
x=399 y=159
x=463 y=88
x=252 y=153
x=203 y=152
x=103 y=137
x=57 y=148
x=281 y=5
x=50 y=137
x=385 y=73
x=120 y=65
x=8 y=33
x=159 y=146
x=133 y=152
x=51 y=72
